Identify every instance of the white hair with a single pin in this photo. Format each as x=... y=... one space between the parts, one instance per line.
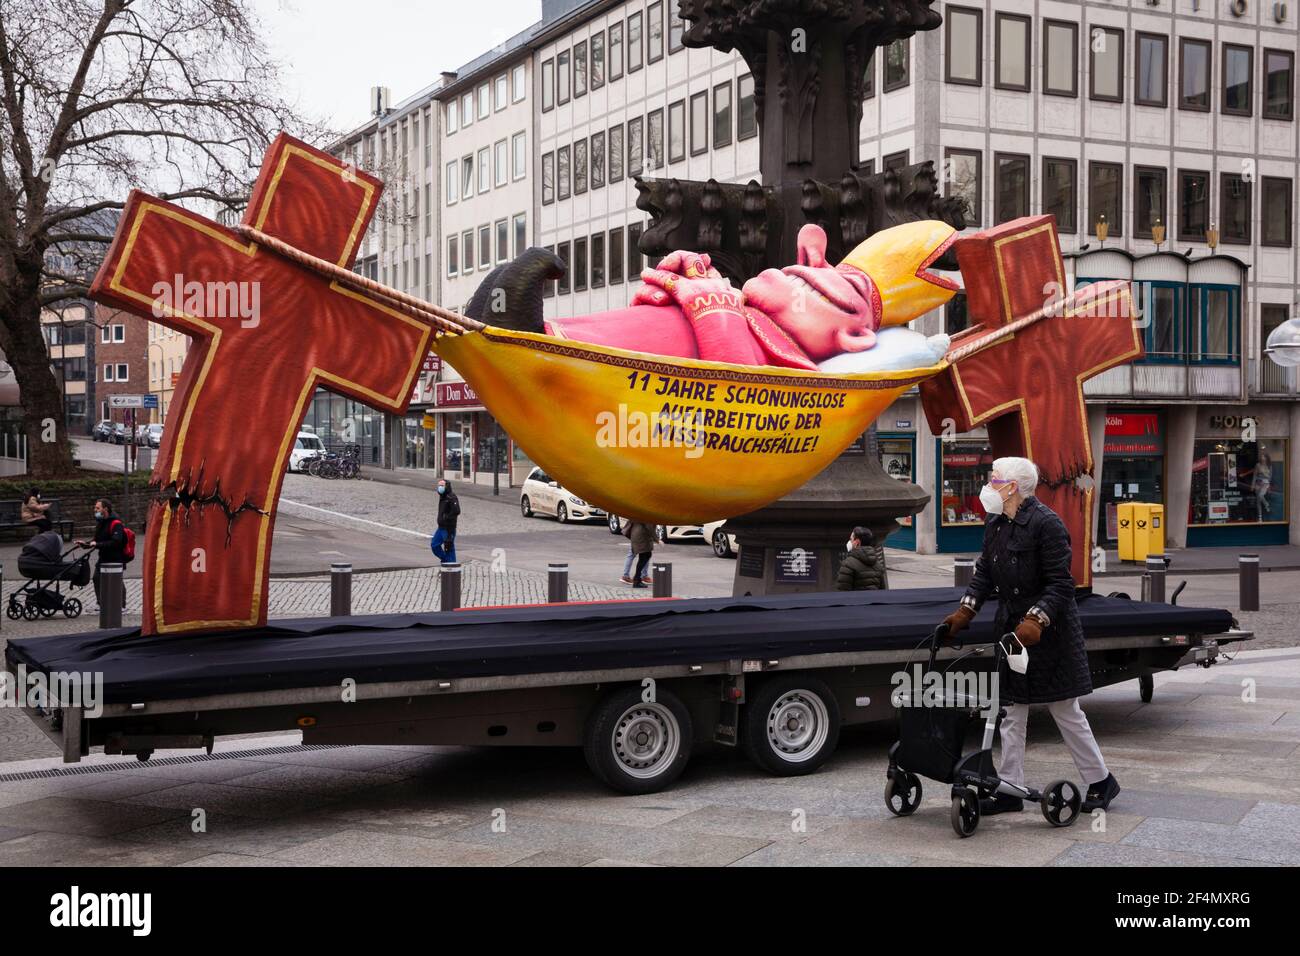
x=1020 y=470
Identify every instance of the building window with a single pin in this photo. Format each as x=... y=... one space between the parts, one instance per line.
x=956 y=316
x=634 y=48
x=869 y=77
x=484 y=247
x=635 y=146
x=562 y=164
x=965 y=41
x=1061 y=58
x=675 y=28
x=484 y=105
x=453 y=263
x=548 y=179
x=580 y=167
x=112 y=333
x=747 y=112
x=1010 y=187
x=467 y=177
x=1011 y=51
x=616 y=153
x=517 y=84
x=676 y=132
x=616 y=256
x=1238 y=482
x=1234 y=208
x=615 y=51
x=1193 y=205
x=484 y=170
x=502 y=163
x=654 y=32
x=1162 y=306
x=580 y=69
x=1149 y=200
x=897 y=65
x=1272 y=377
x=1106 y=197
x=1279 y=84
x=597 y=160
x=1061 y=192
x=1275 y=211
x=598 y=261
x=1238 y=64
x=519 y=149
x=580 y=265
x=1152 y=77
x=722 y=115
x=466 y=109
x=449 y=113
x=1213 y=324
x=503 y=240
x=1194 y=74
x=700 y=123
x=562 y=78
x=962 y=181
x=597 y=60
x=965 y=468
x=501 y=92
x=548 y=85
x=655 y=140
x=521 y=233
x=562 y=250
x=895 y=160
x=1106 y=64
x=467 y=252
x=634 y=251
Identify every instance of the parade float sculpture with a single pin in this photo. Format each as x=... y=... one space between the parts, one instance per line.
x=661 y=438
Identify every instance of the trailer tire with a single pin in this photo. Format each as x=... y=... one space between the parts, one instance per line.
x=1146 y=687
x=791 y=725
x=637 y=746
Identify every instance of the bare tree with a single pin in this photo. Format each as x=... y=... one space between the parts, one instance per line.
x=178 y=97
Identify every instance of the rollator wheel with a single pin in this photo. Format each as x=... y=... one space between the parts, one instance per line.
x=72 y=608
x=1060 y=803
x=903 y=793
x=965 y=812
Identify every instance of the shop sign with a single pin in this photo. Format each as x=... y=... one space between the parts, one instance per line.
x=1133 y=433
x=1217 y=511
x=903 y=423
x=432 y=363
x=428 y=422
x=1232 y=422
x=455 y=395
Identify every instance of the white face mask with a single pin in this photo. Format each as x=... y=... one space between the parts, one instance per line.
x=849 y=546
x=1019 y=661
x=991 y=500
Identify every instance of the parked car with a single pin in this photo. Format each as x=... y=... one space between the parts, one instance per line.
x=542 y=494
x=119 y=433
x=103 y=430
x=663 y=533
x=723 y=541
x=305 y=445
x=153 y=435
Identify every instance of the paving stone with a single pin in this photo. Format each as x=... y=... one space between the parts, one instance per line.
x=1281 y=817
x=801 y=854
x=242 y=835
x=550 y=858
x=224 y=798
x=65 y=849
x=1217 y=840
x=326 y=781
x=726 y=820
x=1025 y=840
x=1119 y=854
x=68 y=815
x=1174 y=804
x=367 y=848
x=236 y=859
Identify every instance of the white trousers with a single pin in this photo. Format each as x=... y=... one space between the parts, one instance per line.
x=1076 y=733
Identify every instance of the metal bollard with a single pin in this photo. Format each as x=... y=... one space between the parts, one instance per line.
x=449 y=578
x=1248 y=582
x=557 y=582
x=663 y=579
x=2 y=583
x=340 y=589
x=963 y=569
x=110 y=595
x=1146 y=588
x=1156 y=571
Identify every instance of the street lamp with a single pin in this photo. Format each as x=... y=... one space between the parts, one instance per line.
x=1212 y=236
x=1158 y=233
x=1103 y=230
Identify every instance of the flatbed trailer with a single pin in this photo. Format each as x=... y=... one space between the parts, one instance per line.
x=637 y=684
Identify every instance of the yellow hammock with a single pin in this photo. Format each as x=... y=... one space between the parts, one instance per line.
x=668 y=440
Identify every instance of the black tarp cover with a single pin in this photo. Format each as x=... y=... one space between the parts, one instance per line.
x=314 y=652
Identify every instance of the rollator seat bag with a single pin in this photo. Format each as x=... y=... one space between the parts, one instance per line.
x=932 y=739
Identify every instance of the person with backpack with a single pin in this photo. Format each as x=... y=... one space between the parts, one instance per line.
x=114 y=542
x=862 y=569
x=443 y=543
x=642 y=538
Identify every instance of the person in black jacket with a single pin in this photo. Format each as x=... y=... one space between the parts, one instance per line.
x=862 y=569
x=110 y=538
x=1026 y=562
x=444 y=539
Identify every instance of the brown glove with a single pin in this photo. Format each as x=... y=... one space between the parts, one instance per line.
x=958 y=620
x=1029 y=632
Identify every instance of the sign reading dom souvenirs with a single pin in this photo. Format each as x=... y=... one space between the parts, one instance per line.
x=698 y=401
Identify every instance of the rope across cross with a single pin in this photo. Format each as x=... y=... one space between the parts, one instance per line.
x=746 y=434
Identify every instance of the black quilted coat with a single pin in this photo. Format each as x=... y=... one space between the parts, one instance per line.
x=1026 y=563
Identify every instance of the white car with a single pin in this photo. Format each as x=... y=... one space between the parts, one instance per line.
x=304 y=446
x=543 y=495
x=723 y=541
x=663 y=533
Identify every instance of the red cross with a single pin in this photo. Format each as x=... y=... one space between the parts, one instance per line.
x=1028 y=388
x=248 y=378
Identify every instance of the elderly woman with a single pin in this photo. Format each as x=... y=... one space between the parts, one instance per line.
x=1026 y=561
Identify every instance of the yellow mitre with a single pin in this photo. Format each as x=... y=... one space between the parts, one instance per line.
x=898 y=260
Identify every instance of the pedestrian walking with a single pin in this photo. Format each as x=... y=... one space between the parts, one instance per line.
x=443 y=543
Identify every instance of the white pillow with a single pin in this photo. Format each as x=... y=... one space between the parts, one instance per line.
x=897 y=348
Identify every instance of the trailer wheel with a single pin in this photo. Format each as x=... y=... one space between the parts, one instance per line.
x=637 y=746
x=791 y=725
x=1146 y=687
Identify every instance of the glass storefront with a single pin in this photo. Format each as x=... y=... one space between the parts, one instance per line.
x=420 y=444
x=897 y=458
x=1132 y=468
x=1237 y=482
x=340 y=421
x=964 y=468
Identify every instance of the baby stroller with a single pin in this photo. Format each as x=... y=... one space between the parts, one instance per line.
x=931 y=742
x=48 y=570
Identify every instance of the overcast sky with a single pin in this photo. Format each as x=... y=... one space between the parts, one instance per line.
x=334 y=51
